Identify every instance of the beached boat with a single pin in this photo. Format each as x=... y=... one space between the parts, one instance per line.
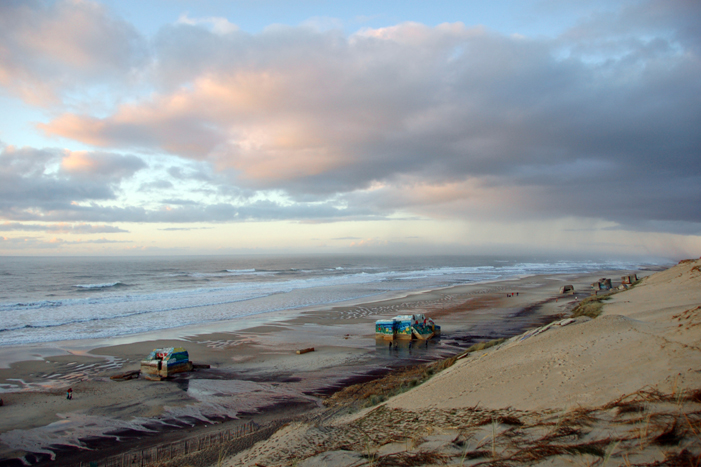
x=162 y=363
x=406 y=327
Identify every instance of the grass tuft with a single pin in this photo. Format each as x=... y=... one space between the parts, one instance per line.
x=669 y=437
x=509 y=420
x=591 y=306
x=401 y=459
x=693 y=396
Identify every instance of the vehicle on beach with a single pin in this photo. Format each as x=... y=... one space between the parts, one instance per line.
x=162 y=363
x=407 y=327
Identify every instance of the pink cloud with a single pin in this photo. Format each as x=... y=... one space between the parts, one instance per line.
x=368 y=243
x=102 y=165
x=48 y=47
x=244 y=121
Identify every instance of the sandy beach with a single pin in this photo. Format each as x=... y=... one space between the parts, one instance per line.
x=623 y=388
x=256 y=375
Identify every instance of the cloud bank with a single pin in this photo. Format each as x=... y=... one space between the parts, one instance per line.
x=445 y=122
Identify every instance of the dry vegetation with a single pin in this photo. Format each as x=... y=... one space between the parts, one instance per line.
x=645 y=428
x=591 y=306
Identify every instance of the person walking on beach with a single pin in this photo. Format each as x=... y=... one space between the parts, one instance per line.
x=69 y=394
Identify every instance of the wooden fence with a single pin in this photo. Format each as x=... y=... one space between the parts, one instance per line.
x=229 y=441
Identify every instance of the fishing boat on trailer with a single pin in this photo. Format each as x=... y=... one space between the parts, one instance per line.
x=407 y=327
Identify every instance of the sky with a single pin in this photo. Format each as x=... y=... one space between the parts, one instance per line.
x=171 y=127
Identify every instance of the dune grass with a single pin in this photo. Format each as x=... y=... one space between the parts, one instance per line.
x=592 y=306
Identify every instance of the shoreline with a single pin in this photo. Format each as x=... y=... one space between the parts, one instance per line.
x=619 y=386
x=18 y=352
x=23 y=352
x=260 y=360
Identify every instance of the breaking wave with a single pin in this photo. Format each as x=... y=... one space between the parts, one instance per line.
x=157 y=295
x=106 y=285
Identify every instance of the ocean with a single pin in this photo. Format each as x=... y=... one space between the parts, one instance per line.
x=45 y=299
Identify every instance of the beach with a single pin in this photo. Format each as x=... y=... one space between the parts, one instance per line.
x=255 y=372
x=621 y=388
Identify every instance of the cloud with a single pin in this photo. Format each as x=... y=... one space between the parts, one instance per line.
x=156 y=185
x=50 y=47
x=180 y=174
x=184 y=211
x=444 y=122
x=178 y=229
x=25 y=243
x=33 y=243
x=99 y=241
x=37 y=182
x=369 y=243
x=218 y=24
x=80 y=229
x=100 y=165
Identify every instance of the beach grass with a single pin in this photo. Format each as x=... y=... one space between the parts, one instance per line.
x=592 y=306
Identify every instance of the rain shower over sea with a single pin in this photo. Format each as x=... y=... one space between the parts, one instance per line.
x=45 y=299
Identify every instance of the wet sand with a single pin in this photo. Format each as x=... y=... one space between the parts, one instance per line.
x=255 y=372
